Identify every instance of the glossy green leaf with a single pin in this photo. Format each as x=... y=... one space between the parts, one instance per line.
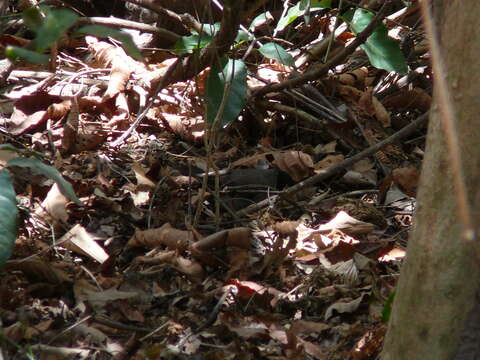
x=55 y=24
x=241 y=37
x=8 y=217
x=236 y=72
x=38 y=167
x=299 y=9
x=187 y=44
x=260 y=19
x=210 y=29
x=101 y=31
x=292 y=14
x=33 y=57
x=32 y=17
x=277 y=52
x=382 y=51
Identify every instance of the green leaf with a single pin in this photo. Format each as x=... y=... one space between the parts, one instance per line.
x=15 y=52
x=55 y=24
x=241 y=37
x=387 y=308
x=8 y=217
x=187 y=44
x=101 y=31
x=236 y=72
x=37 y=167
x=32 y=17
x=382 y=51
x=210 y=29
x=276 y=52
x=260 y=19
x=292 y=14
x=299 y=10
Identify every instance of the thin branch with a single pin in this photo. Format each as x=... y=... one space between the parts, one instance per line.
x=163 y=33
x=191 y=66
x=335 y=169
x=186 y=21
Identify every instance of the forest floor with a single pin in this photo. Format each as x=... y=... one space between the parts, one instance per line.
x=277 y=235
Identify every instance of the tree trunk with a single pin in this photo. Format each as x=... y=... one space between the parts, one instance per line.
x=436 y=312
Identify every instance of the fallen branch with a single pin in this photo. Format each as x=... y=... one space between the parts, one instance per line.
x=335 y=169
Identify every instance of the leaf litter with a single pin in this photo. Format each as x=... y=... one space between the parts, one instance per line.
x=163 y=256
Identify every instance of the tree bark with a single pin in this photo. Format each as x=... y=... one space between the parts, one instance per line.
x=436 y=312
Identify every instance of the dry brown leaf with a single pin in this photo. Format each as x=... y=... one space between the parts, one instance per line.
x=344 y=222
x=370 y=344
x=373 y=107
x=164 y=236
x=297 y=164
x=354 y=78
x=140 y=175
x=38 y=270
x=415 y=98
x=57 y=110
x=238 y=237
x=191 y=268
x=30 y=111
x=349 y=93
x=79 y=240
x=121 y=112
x=304 y=326
x=328 y=161
x=55 y=205
x=407 y=179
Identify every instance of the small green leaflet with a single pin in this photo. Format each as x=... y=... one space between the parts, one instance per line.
x=33 y=57
x=32 y=17
x=55 y=24
x=38 y=167
x=236 y=72
x=276 y=52
x=187 y=44
x=299 y=10
x=382 y=51
x=8 y=217
x=260 y=19
x=104 y=32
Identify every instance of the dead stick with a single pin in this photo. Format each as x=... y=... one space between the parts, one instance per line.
x=334 y=169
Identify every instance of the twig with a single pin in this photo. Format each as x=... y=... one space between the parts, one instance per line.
x=337 y=59
x=334 y=169
x=292 y=111
x=120 y=326
x=163 y=33
x=185 y=20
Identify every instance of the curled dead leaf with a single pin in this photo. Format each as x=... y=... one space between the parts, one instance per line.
x=297 y=164
x=164 y=236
